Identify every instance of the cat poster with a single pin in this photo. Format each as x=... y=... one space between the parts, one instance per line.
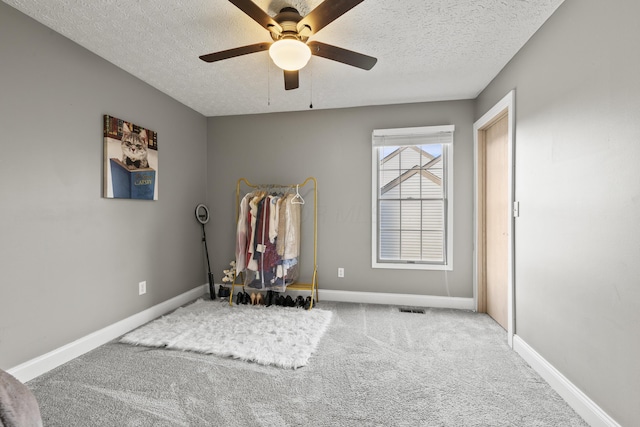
x=130 y=160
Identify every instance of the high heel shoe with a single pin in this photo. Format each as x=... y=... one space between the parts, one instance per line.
x=309 y=302
x=289 y=302
x=269 y=300
x=253 y=298
x=259 y=299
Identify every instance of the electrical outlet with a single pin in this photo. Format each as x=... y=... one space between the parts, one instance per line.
x=142 y=288
x=340 y=272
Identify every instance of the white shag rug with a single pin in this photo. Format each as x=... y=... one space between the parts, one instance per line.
x=280 y=336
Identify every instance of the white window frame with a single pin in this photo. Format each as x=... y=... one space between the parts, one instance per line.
x=412 y=136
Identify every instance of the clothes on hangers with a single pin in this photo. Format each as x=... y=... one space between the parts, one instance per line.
x=268 y=240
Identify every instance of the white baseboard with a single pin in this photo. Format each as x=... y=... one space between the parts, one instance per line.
x=41 y=364
x=580 y=402
x=397 y=299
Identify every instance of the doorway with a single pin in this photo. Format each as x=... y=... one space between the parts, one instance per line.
x=493 y=272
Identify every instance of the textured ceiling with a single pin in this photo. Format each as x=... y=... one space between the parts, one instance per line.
x=427 y=50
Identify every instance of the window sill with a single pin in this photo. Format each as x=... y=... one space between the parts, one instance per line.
x=405 y=266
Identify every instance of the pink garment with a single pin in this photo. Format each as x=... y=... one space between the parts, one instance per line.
x=252 y=264
x=241 y=236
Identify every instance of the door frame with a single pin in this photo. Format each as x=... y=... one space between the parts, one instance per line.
x=496 y=112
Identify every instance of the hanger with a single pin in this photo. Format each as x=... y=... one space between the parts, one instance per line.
x=297 y=199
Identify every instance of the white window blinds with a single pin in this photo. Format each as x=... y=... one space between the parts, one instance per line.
x=413 y=136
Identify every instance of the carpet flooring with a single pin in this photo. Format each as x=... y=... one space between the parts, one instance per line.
x=375 y=366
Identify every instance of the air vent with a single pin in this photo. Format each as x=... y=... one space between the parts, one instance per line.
x=411 y=310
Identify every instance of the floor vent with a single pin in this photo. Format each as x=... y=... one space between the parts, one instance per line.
x=411 y=310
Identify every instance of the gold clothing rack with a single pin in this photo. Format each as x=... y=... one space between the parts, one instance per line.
x=313 y=286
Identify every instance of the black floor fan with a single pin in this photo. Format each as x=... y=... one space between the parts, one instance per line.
x=202 y=215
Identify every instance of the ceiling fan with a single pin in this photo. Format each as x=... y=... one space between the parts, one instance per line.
x=290 y=31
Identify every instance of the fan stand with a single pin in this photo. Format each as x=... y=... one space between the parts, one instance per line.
x=202 y=215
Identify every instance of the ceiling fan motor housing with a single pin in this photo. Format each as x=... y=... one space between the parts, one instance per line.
x=288 y=19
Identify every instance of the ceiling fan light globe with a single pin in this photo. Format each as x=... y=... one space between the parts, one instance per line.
x=290 y=54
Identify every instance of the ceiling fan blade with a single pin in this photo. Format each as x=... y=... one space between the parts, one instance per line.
x=339 y=54
x=291 y=79
x=258 y=15
x=324 y=14
x=238 y=51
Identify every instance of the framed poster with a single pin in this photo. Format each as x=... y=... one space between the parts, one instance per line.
x=130 y=160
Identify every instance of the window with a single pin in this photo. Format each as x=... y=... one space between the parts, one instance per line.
x=412 y=184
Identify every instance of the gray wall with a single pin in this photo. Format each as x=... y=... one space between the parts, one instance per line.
x=578 y=236
x=335 y=147
x=70 y=261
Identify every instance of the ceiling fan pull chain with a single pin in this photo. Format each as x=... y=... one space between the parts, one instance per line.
x=310 y=84
x=268 y=81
